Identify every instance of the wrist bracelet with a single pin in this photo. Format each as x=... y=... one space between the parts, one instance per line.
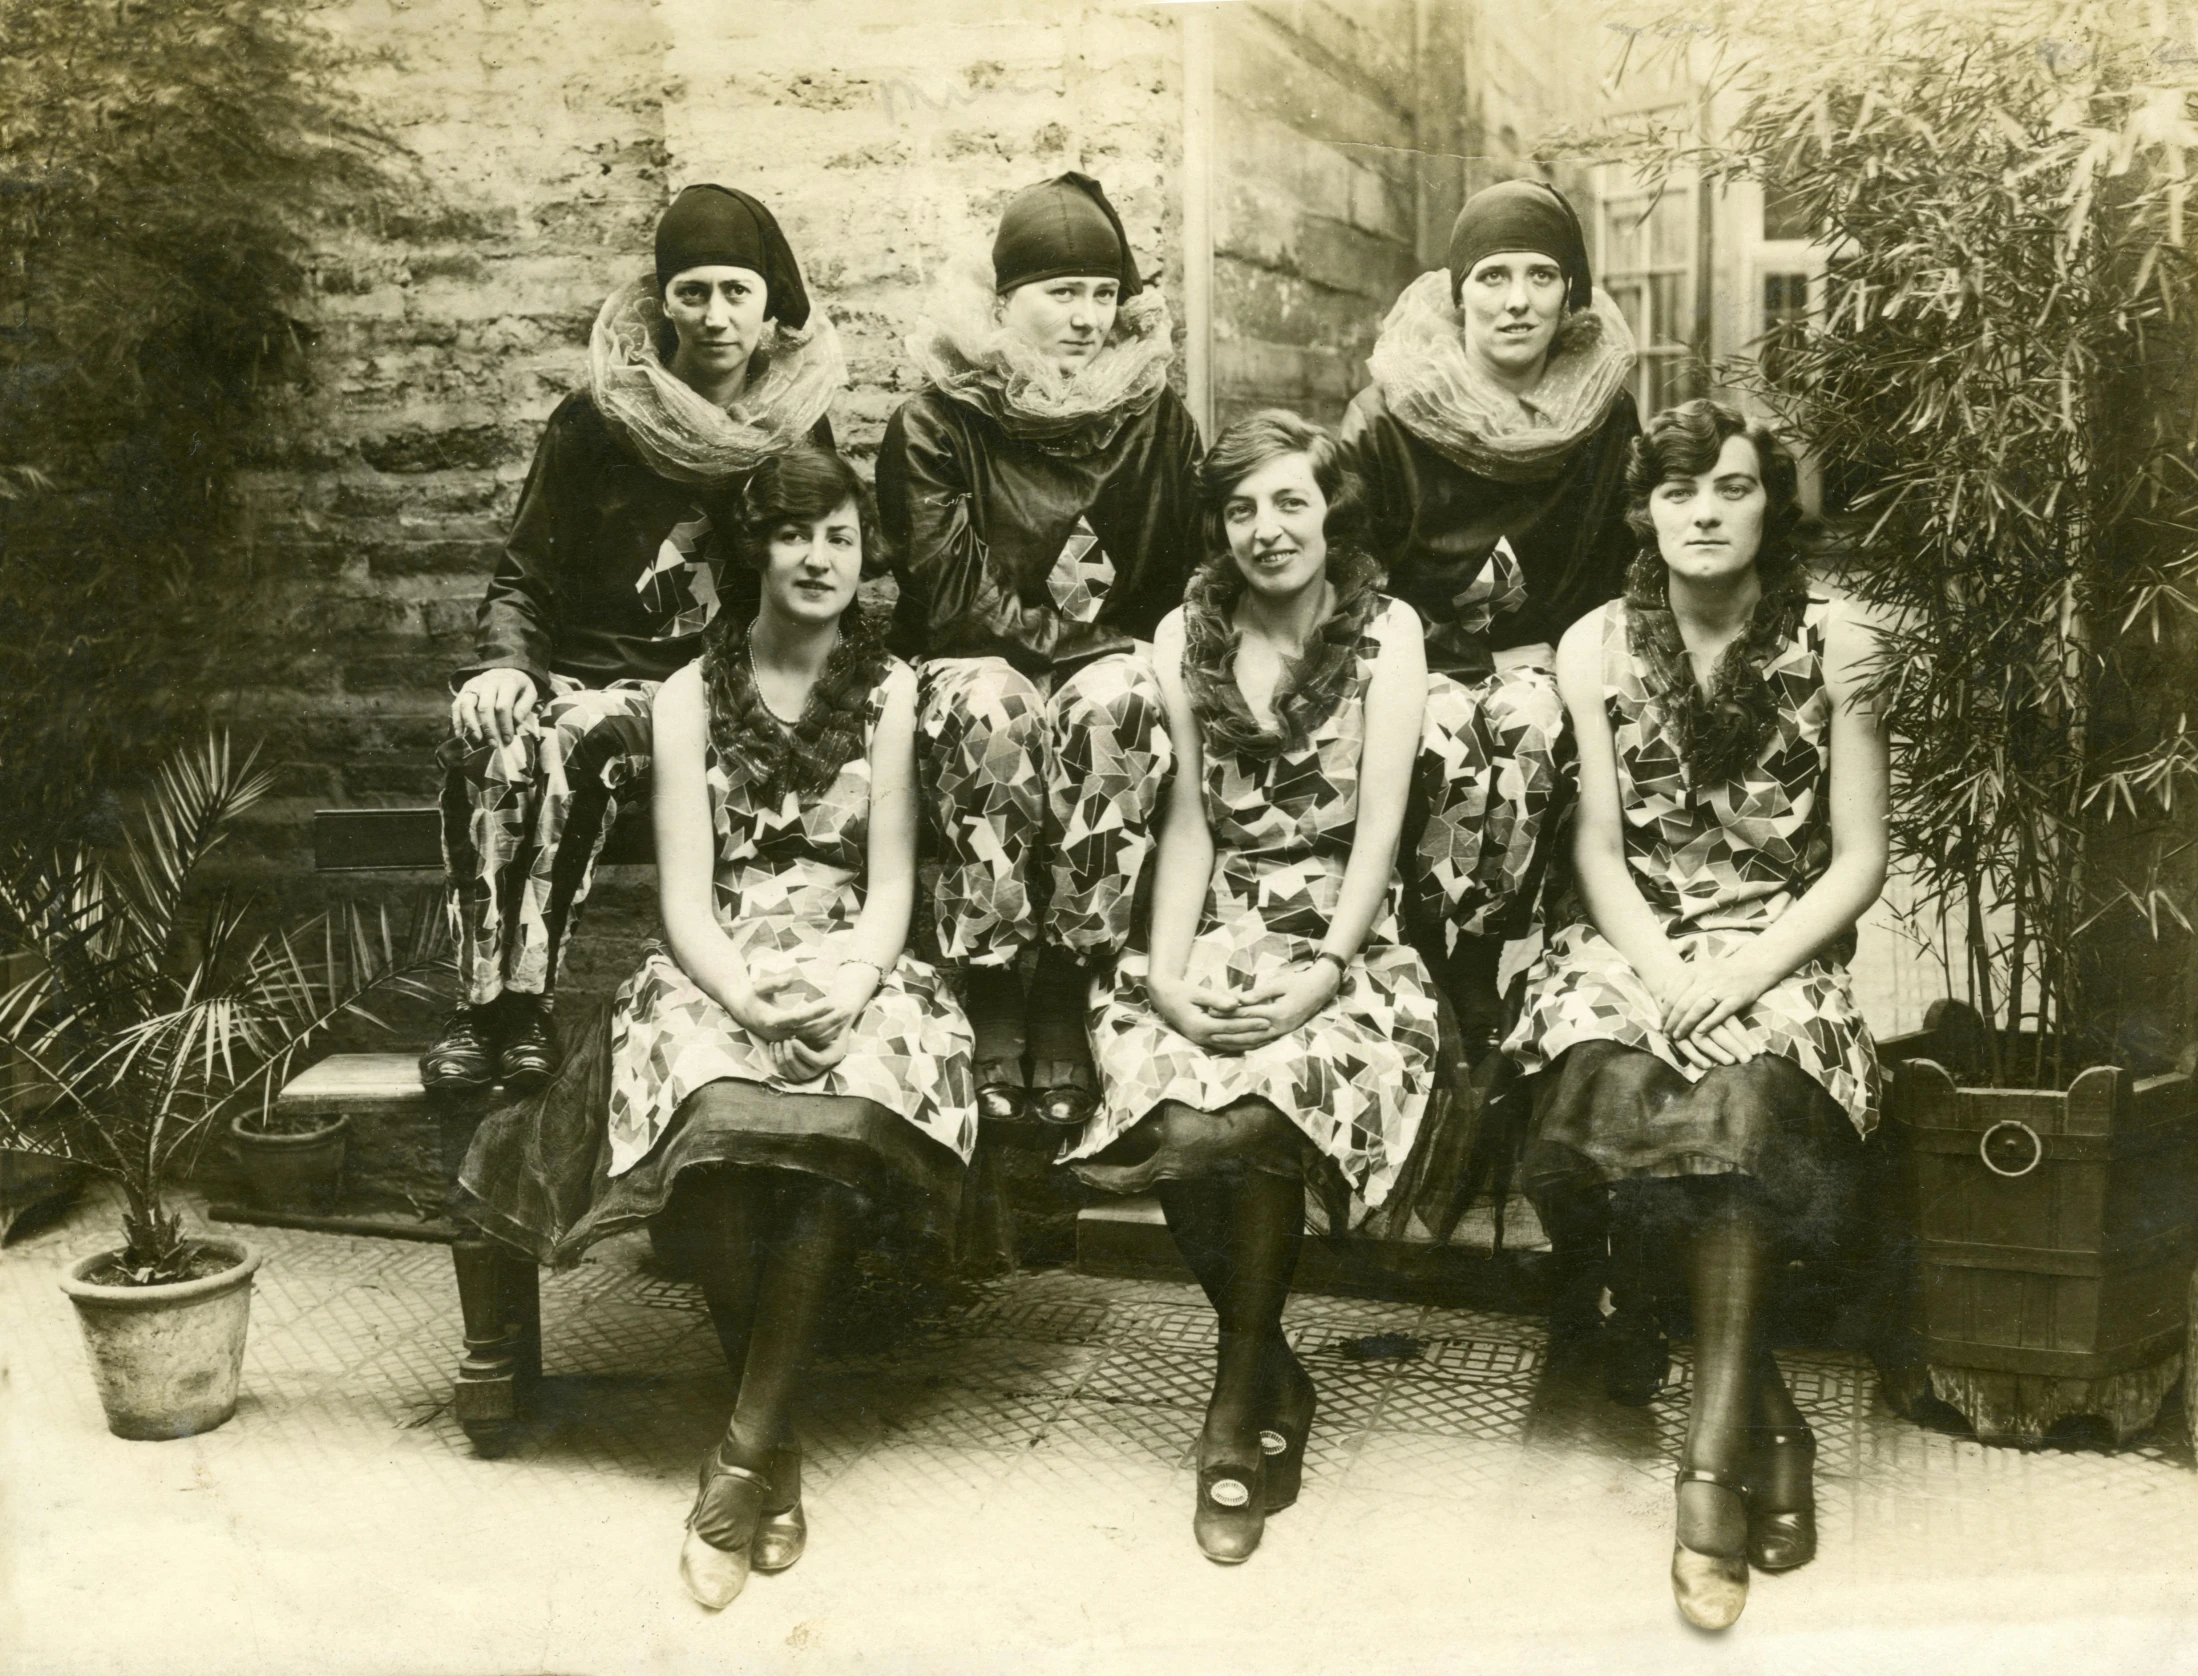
x=872 y=964
x=1343 y=966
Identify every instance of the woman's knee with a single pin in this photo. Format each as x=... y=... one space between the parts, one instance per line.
x=977 y=699
x=1117 y=694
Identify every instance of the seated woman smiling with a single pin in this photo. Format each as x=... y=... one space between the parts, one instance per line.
x=1279 y=1035
x=783 y=1074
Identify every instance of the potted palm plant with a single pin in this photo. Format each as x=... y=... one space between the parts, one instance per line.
x=138 y=1031
x=1995 y=382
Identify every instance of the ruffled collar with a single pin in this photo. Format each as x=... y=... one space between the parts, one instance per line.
x=1310 y=688
x=685 y=437
x=964 y=351
x=1436 y=392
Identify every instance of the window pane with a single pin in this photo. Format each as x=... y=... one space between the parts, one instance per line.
x=1672 y=229
x=1628 y=298
x=1671 y=310
x=1784 y=215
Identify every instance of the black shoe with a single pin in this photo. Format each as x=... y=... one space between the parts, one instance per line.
x=1782 y=1537
x=1231 y=1514
x=526 y=1056
x=461 y=1058
x=1282 y=1439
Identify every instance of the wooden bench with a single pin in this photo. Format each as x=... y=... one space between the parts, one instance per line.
x=499 y=1295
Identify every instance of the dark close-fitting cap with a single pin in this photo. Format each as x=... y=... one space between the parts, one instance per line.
x=718 y=227
x=1058 y=227
x=1521 y=215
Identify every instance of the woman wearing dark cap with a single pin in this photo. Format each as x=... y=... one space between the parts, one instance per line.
x=609 y=576
x=1493 y=445
x=782 y=1078
x=1038 y=508
x=1492 y=442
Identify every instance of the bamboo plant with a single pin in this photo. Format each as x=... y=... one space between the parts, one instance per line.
x=146 y=1024
x=1997 y=381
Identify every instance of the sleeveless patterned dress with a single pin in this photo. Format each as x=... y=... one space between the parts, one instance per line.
x=1355 y=1078
x=1716 y=864
x=790 y=887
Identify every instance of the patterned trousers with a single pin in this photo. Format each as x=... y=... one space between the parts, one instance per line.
x=523 y=824
x=1038 y=807
x=1495 y=758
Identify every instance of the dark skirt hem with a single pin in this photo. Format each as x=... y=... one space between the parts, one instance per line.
x=1607 y=1113
x=537 y=1175
x=1176 y=1142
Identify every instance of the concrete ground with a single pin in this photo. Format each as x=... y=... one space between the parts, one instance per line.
x=1004 y=1490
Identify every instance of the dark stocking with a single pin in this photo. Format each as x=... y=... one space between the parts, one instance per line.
x=813 y=1231
x=1728 y=1275
x=1059 y=1051
x=1267 y=1231
x=722 y=1217
x=1780 y=1476
x=1241 y=1238
x=995 y=996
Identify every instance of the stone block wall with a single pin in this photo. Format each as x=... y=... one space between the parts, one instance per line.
x=544 y=137
x=1315 y=196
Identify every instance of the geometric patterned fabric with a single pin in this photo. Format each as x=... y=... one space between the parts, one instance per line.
x=1716 y=864
x=1356 y=1076
x=790 y=888
x=523 y=824
x=1037 y=803
x=1495 y=755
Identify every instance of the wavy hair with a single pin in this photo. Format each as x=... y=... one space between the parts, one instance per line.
x=1312 y=686
x=804 y=484
x=1720 y=731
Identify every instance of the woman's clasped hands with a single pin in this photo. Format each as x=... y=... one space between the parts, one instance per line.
x=1703 y=1002
x=805 y=1024
x=1238 y=1020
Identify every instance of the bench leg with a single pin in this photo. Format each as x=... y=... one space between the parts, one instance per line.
x=500 y=1297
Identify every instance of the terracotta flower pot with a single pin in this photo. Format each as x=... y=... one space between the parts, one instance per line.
x=284 y=1172
x=167 y=1358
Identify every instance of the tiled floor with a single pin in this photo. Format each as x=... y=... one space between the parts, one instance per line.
x=1004 y=1487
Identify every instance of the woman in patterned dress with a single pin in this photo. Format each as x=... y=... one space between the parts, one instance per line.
x=1695 y=1042
x=1279 y=1034
x=784 y=1070
x=1037 y=499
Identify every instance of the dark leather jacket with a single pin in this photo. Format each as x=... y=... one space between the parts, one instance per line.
x=609 y=569
x=1435 y=525
x=975 y=523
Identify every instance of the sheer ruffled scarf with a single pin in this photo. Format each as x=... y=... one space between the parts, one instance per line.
x=1311 y=687
x=806 y=757
x=1436 y=392
x=1720 y=733
x=682 y=435
x=966 y=353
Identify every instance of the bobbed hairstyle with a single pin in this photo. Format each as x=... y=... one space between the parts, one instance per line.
x=1259 y=438
x=1684 y=441
x=807 y=482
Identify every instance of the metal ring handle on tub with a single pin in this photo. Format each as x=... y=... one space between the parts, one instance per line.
x=1984 y=1148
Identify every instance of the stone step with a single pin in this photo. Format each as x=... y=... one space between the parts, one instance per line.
x=403 y=1147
